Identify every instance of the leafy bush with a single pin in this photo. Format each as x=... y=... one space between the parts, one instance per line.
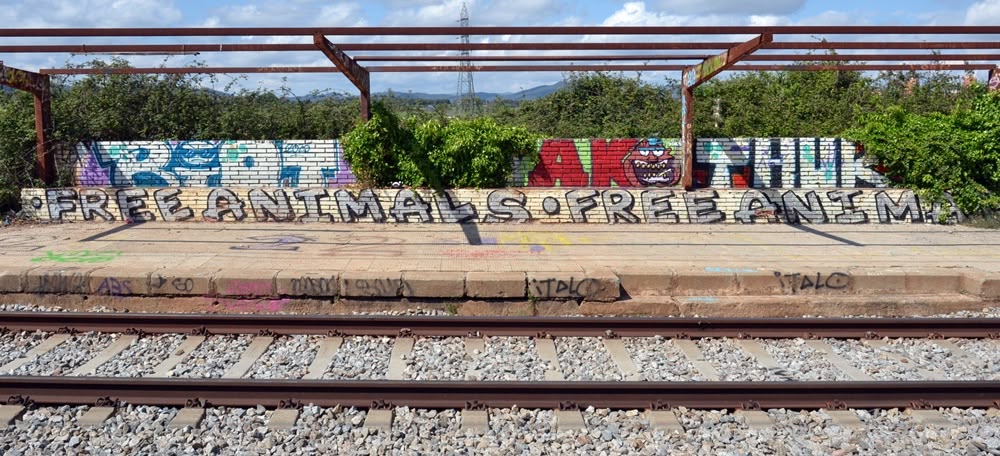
x=461 y=153
x=957 y=153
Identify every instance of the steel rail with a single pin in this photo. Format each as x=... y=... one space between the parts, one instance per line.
x=491 y=30
x=459 y=394
x=157 y=323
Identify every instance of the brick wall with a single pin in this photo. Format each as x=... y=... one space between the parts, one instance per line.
x=644 y=162
x=571 y=205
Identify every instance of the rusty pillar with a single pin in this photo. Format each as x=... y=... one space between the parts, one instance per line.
x=687 y=128
x=39 y=86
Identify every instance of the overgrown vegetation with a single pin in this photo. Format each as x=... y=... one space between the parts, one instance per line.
x=458 y=153
x=956 y=152
x=928 y=129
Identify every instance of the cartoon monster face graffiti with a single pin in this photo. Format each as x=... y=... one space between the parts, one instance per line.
x=650 y=163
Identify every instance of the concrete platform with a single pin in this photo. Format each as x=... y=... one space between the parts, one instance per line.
x=493 y=268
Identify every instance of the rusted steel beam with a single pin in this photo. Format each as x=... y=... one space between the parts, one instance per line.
x=190 y=70
x=886 y=45
x=151 y=48
x=694 y=76
x=501 y=68
x=993 y=79
x=867 y=57
x=865 y=67
x=177 y=392
x=512 y=68
x=525 y=58
x=39 y=86
x=701 y=45
x=712 y=66
x=357 y=74
x=625 y=57
x=526 y=30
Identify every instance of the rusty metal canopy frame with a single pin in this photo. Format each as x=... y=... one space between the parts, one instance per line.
x=397 y=51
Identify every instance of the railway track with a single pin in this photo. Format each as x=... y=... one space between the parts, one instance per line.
x=634 y=386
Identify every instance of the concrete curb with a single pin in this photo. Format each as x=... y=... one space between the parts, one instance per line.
x=594 y=285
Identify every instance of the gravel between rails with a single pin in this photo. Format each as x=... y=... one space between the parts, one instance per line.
x=68 y=355
x=873 y=361
x=142 y=430
x=361 y=358
x=659 y=360
x=733 y=364
x=586 y=359
x=509 y=359
x=801 y=362
x=142 y=357
x=935 y=358
x=288 y=357
x=213 y=357
x=437 y=358
x=987 y=351
x=17 y=344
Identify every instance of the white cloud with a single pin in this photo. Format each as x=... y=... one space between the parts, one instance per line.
x=729 y=7
x=288 y=14
x=92 y=13
x=487 y=12
x=985 y=12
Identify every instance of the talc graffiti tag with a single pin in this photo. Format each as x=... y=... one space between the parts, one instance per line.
x=79 y=256
x=558 y=288
x=795 y=282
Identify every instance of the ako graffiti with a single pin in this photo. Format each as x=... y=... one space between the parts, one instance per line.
x=578 y=205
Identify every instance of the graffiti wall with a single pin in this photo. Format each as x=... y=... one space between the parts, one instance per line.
x=569 y=205
x=645 y=162
x=210 y=164
x=783 y=163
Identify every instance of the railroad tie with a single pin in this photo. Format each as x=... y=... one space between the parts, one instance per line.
x=10 y=413
x=474 y=348
x=324 y=357
x=756 y=350
x=46 y=346
x=283 y=419
x=116 y=347
x=379 y=420
x=189 y=345
x=397 y=365
x=666 y=421
x=187 y=416
x=886 y=349
x=691 y=351
x=847 y=419
x=475 y=421
x=568 y=419
x=95 y=416
x=839 y=362
x=930 y=417
x=619 y=354
x=756 y=419
x=257 y=348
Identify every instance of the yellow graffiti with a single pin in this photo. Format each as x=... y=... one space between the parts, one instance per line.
x=536 y=242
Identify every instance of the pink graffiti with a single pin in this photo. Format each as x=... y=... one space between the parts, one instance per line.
x=247 y=288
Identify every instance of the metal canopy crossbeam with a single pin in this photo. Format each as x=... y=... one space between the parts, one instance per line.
x=397 y=51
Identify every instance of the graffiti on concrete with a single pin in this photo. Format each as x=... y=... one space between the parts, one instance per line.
x=212 y=164
x=797 y=282
x=783 y=163
x=78 y=256
x=578 y=205
x=284 y=242
x=647 y=162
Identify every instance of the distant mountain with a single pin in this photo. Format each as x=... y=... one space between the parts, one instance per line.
x=528 y=94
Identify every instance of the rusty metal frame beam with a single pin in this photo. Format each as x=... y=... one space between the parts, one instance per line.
x=512 y=68
x=694 y=76
x=489 y=30
x=39 y=86
x=356 y=73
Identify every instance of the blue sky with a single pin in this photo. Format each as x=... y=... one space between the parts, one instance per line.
x=334 y=13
